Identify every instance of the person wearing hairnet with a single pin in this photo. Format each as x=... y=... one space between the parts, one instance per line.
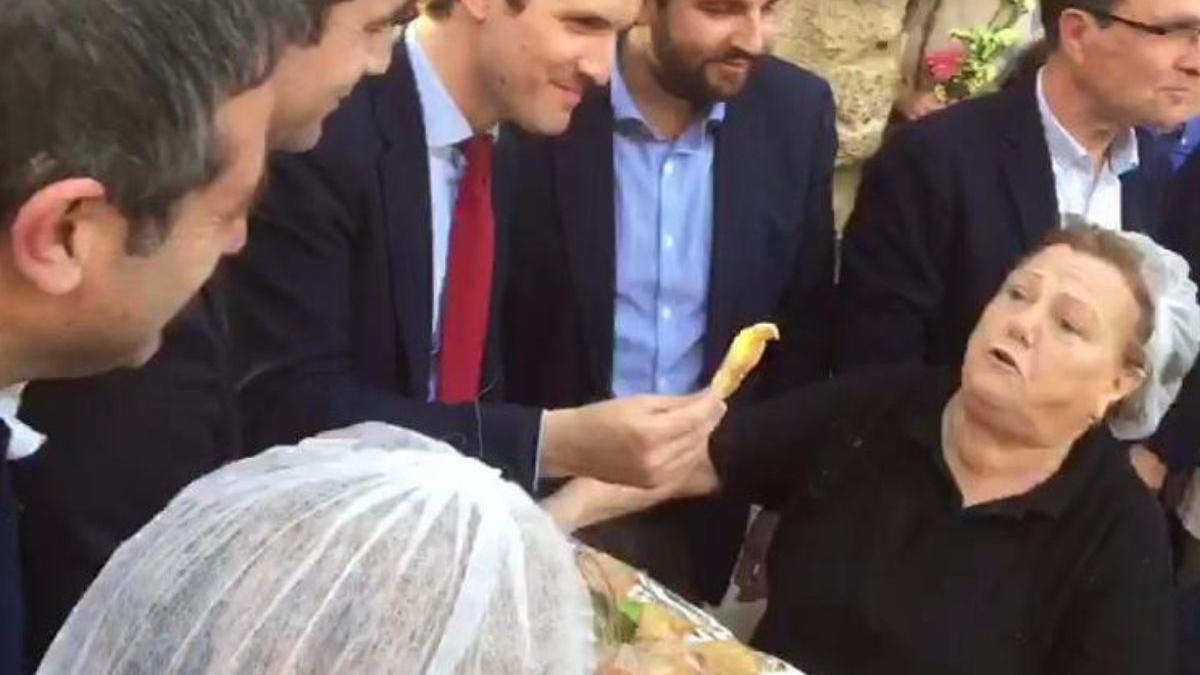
x=984 y=521
x=372 y=550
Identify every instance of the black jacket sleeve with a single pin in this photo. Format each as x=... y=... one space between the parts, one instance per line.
x=805 y=314
x=293 y=307
x=763 y=451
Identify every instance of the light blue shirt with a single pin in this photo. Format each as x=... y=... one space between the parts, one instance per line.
x=664 y=223
x=445 y=128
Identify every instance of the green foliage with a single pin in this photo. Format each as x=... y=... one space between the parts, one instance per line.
x=982 y=48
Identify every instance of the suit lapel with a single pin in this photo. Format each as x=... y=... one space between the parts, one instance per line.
x=1026 y=161
x=738 y=225
x=586 y=194
x=404 y=189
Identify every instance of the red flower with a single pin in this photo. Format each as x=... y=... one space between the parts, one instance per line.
x=944 y=64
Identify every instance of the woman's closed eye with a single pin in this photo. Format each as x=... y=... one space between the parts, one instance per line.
x=1069 y=326
x=1017 y=292
x=1074 y=322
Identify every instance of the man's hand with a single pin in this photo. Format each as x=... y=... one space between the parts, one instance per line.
x=1148 y=467
x=584 y=502
x=641 y=441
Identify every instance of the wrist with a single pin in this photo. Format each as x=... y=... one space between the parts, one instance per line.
x=558 y=460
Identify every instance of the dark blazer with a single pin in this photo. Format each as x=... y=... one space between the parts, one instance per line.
x=330 y=303
x=772 y=259
x=11 y=615
x=119 y=447
x=1178 y=439
x=946 y=209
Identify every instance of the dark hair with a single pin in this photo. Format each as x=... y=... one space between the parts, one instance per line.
x=440 y=9
x=126 y=92
x=1053 y=9
x=1113 y=249
x=318 y=11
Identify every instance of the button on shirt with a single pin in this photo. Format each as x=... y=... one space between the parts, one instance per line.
x=664 y=222
x=1083 y=191
x=445 y=129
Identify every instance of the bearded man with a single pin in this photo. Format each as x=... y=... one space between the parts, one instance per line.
x=688 y=199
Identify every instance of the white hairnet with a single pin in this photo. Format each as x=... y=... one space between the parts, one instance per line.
x=1173 y=343
x=376 y=550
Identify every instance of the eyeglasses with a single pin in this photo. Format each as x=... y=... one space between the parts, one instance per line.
x=1188 y=34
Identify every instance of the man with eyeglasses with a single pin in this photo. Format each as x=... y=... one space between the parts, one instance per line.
x=952 y=202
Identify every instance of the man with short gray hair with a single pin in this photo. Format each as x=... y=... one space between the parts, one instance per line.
x=132 y=141
x=951 y=202
x=120 y=445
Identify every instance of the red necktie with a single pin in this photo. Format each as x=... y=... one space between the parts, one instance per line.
x=468 y=291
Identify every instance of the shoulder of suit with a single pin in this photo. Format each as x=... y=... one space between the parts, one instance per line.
x=969 y=127
x=786 y=84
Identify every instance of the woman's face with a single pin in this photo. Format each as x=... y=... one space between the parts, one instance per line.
x=1047 y=357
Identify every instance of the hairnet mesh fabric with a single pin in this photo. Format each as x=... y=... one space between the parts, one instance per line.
x=374 y=550
x=1174 y=341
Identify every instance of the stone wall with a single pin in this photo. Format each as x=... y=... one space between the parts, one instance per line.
x=856 y=45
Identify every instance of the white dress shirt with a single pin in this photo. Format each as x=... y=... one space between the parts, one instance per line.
x=1082 y=190
x=445 y=128
x=22 y=441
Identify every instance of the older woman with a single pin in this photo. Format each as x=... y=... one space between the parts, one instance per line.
x=369 y=551
x=981 y=522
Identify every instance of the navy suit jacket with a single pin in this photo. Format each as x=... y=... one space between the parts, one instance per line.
x=1178 y=439
x=330 y=303
x=946 y=209
x=119 y=447
x=12 y=619
x=772 y=259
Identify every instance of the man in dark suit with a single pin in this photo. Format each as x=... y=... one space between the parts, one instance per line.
x=688 y=200
x=952 y=202
x=116 y=206
x=367 y=289
x=121 y=445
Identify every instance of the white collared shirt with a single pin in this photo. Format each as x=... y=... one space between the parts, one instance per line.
x=23 y=441
x=1094 y=196
x=446 y=128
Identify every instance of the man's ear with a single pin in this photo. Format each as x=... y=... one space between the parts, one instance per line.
x=1074 y=26
x=44 y=235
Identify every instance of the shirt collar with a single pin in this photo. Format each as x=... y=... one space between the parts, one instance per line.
x=445 y=124
x=23 y=441
x=1122 y=157
x=625 y=109
x=923 y=425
